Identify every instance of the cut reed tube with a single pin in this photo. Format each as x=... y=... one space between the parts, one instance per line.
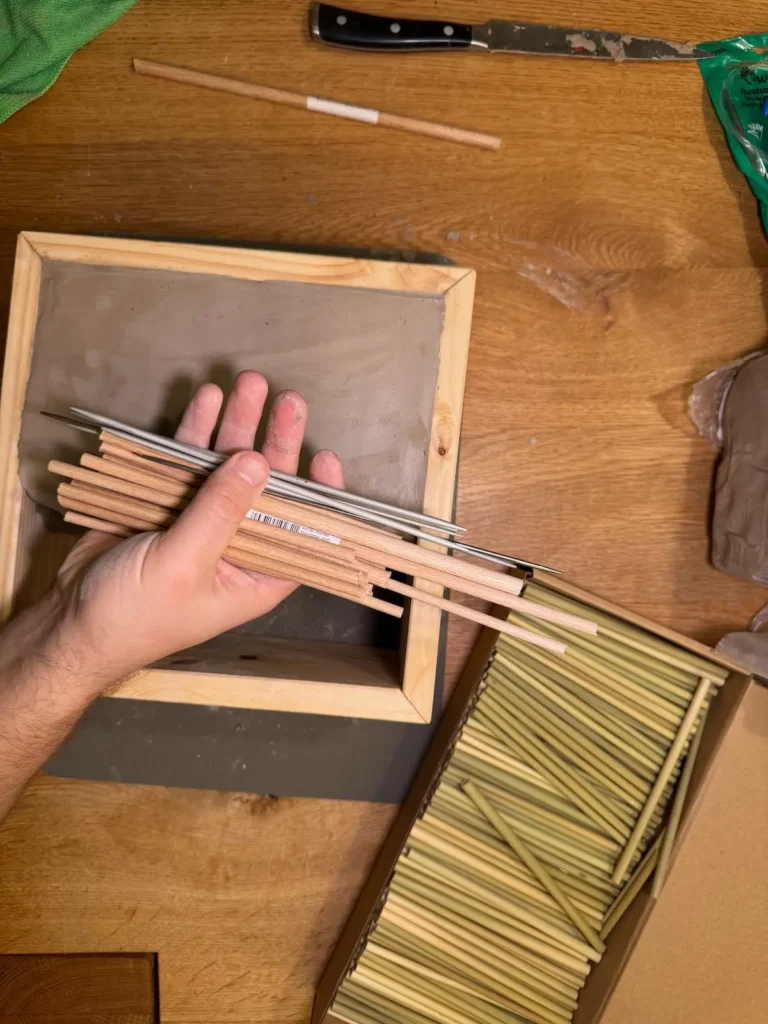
x=310 y=545
x=528 y=858
x=555 y=790
x=678 y=804
x=673 y=756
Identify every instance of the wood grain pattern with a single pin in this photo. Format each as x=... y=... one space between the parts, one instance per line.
x=85 y=989
x=613 y=188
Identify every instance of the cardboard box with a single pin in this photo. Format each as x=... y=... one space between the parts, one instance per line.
x=595 y=995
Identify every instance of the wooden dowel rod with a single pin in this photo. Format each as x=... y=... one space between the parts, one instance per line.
x=249 y=90
x=480 y=617
x=141 y=449
x=533 y=864
x=126 y=457
x=632 y=636
x=319 y=568
x=92 y=523
x=675 y=751
x=678 y=804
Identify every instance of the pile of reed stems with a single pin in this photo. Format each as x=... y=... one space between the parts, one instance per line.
x=560 y=798
x=128 y=489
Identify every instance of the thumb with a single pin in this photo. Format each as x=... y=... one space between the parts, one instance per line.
x=208 y=525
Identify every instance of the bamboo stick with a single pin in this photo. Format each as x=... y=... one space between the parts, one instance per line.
x=675 y=751
x=535 y=1005
x=529 y=968
x=440 y=978
x=535 y=968
x=495 y=909
x=464 y=1001
x=635 y=883
x=636 y=691
x=412 y=998
x=539 y=824
x=536 y=868
x=480 y=844
x=487 y=875
x=474 y=968
x=609 y=696
x=569 y=744
x=634 y=637
x=520 y=888
x=563 y=866
x=584 y=834
x=600 y=649
x=675 y=816
x=386 y=1009
x=466 y=612
x=593 y=711
x=566 y=780
x=633 y=764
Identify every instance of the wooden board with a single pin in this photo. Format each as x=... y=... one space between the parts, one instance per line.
x=338 y=691
x=604 y=170
x=80 y=989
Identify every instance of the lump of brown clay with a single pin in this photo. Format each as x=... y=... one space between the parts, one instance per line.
x=740 y=518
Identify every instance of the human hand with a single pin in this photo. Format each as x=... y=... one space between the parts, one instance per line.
x=122 y=605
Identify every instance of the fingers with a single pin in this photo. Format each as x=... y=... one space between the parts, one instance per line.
x=242 y=413
x=326 y=468
x=198 y=538
x=199 y=419
x=285 y=431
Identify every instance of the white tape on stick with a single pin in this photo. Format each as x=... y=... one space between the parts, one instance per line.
x=343 y=110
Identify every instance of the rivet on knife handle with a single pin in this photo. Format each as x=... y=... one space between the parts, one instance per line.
x=342 y=27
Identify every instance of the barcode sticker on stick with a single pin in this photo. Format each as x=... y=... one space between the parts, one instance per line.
x=286 y=524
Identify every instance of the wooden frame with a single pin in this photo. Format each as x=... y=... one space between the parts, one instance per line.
x=376 y=696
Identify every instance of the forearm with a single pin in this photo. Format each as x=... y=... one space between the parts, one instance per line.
x=44 y=689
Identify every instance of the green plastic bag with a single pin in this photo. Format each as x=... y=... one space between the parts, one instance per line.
x=736 y=77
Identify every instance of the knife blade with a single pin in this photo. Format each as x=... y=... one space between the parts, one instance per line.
x=342 y=27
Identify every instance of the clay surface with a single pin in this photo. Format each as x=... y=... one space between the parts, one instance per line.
x=134 y=344
x=740 y=519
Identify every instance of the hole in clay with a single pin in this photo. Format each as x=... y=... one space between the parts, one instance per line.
x=248 y=657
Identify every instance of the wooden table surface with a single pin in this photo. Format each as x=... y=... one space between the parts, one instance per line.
x=619 y=258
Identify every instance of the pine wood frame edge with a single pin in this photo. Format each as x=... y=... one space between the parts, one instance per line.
x=413 y=701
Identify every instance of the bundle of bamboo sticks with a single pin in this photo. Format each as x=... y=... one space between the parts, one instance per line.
x=127 y=489
x=547 y=820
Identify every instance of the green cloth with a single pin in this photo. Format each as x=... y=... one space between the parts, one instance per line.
x=37 y=38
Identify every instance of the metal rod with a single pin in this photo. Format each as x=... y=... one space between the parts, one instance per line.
x=214 y=458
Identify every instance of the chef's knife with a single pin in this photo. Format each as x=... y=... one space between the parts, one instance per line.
x=342 y=27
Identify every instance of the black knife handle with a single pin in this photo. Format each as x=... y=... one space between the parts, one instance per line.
x=342 y=27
